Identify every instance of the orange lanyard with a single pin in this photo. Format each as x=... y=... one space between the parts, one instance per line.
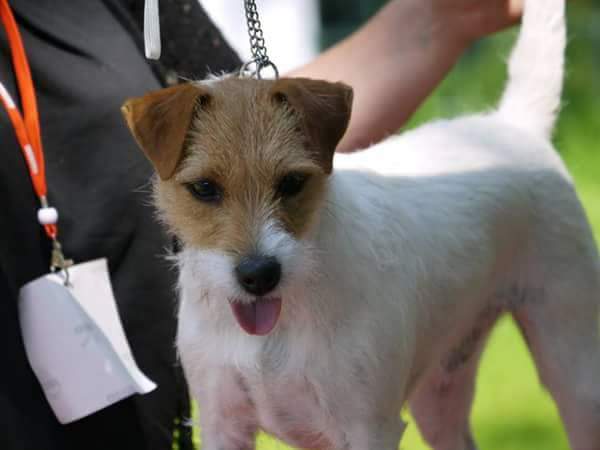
x=27 y=128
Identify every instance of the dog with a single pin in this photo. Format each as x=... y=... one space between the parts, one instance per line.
x=319 y=293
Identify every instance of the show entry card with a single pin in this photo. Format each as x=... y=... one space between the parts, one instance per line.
x=75 y=342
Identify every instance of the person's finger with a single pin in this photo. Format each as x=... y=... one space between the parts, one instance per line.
x=515 y=9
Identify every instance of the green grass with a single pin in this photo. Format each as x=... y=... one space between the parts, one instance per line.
x=511 y=409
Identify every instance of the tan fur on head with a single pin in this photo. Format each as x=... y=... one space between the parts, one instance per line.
x=251 y=134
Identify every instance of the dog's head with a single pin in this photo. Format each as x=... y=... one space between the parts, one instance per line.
x=242 y=169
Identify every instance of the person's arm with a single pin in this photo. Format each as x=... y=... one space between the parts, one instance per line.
x=400 y=55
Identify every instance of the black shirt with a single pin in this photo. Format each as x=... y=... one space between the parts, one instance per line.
x=86 y=58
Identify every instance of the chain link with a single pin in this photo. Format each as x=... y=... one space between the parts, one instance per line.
x=260 y=60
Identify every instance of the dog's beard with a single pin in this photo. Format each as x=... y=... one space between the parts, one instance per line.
x=208 y=276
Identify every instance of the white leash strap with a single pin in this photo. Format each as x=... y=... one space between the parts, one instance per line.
x=151 y=29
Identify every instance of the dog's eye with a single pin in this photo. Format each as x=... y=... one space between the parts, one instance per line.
x=291 y=184
x=205 y=190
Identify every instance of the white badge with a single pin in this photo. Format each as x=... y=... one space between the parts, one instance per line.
x=75 y=342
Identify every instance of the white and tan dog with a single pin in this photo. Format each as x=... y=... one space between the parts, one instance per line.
x=320 y=293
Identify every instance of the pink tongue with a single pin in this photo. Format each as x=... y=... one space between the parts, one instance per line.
x=258 y=317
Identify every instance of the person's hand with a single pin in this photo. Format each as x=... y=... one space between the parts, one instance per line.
x=468 y=20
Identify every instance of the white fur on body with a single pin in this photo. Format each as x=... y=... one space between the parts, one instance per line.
x=422 y=242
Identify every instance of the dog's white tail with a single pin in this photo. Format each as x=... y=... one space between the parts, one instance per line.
x=531 y=98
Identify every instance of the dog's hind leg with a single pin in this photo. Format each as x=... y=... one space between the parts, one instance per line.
x=561 y=325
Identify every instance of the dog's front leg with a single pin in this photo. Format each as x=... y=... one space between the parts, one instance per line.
x=227 y=413
x=380 y=435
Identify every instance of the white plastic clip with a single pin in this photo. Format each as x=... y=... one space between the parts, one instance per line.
x=152 y=29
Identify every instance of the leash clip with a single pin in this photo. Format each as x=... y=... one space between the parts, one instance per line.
x=48 y=217
x=58 y=262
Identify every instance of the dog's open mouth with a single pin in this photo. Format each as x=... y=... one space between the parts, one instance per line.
x=259 y=317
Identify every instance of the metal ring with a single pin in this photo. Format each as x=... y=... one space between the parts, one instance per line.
x=64 y=273
x=246 y=71
x=67 y=281
x=265 y=65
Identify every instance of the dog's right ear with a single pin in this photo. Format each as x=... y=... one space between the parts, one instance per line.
x=324 y=109
x=160 y=122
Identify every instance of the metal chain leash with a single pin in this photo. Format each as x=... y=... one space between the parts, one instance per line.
x=260 y=60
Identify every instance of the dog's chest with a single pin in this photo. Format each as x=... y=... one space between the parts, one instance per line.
x=289 y=408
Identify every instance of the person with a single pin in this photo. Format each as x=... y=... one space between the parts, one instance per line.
x=86 y=59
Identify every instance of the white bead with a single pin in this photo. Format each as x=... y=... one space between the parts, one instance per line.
x=47 y=216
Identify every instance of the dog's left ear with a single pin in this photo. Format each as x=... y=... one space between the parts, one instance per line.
x=160 y=122
x=324 y=109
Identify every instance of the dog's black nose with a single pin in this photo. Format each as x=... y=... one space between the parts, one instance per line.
x=258 y=275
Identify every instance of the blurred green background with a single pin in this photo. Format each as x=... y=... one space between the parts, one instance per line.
x=511 y=410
